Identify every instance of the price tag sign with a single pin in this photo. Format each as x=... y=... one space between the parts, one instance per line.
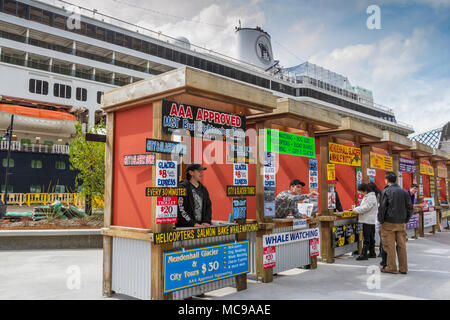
x=240 y=174
x=269 y=257
x=166 y=173
x=166 y=210
x=314 y=247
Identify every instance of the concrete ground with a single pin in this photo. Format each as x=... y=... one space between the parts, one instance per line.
x=77 y=274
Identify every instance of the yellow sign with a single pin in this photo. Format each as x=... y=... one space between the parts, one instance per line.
x=445 y=214
x=381 y=162
x=340 y=154
x=426 y=168
x=331 y=172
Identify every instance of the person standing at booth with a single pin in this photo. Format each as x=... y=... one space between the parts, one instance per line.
x=367 y=212
x=413 y=194
x=286 y=201
x=394 y=212
x=194 y=210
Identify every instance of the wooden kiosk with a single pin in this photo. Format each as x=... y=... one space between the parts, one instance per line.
x=422 y=153
x=342 y=147
x=438 y=188
x=144 y=255
x=292 y=123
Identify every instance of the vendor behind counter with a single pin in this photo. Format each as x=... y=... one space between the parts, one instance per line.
x=286 y=203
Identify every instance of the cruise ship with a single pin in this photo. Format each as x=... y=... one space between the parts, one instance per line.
x=61 y=58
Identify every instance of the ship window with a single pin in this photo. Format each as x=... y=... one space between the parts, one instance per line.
x=59 y=21
x=38 y=86
x=60 y=189
x=60 y=165
x=118 y=39
x=11 y=163
x=23 y=10
x=110 y=36
x=62 y=91
x=145 y=47
x=153 y=49
x=136 y=44
x=10 y=7
x=35 y=14
x=100 y=34
x=81 y=94
x=190 y=60
x=46 y=17
x=36 y=164
x=161 y=52
x=10 y=188
x=35 y=188
x=127 y=43
x=90 y=30
x=99 y=97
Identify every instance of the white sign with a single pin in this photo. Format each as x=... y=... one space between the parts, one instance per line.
x=269 y=257
x=269 y=209
x=299 y=224
x=429 y=219
x=305 y=208
x=166 y=173
x=371 y=172
x=166 y=210
x=240 y=174
x=277 y=239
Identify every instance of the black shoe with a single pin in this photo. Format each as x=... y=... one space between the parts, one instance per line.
x=372 y=255
x=362 y=257
x=403 y=272
x=383 y=264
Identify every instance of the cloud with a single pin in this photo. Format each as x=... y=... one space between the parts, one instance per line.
x=391 y=68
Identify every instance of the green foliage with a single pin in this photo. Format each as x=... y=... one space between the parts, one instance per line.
x=89 y=159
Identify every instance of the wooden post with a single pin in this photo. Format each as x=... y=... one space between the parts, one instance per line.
x=265 y=274
x=107 y=219
x=157 y=276
x=326 y=241
x=260 y=146
x=323 y=205
x=436 y=228
x=365 y=151
x=241 y=280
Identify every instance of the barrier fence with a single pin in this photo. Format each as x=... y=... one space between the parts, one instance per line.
x=32 y=199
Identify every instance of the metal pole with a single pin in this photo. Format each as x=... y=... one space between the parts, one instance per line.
x=10 y=129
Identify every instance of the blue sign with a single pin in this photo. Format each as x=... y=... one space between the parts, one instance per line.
x=167 y=147
x=240 y=208
x=190 y=268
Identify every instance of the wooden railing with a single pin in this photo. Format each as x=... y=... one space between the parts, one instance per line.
x=35 y=199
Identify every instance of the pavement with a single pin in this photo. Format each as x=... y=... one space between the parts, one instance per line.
x=77 y=274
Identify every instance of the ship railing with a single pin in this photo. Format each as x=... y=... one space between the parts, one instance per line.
x=36 y=199
x=38 y=148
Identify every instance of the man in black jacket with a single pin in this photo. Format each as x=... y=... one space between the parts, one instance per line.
x=394 y=212
x=194 y=210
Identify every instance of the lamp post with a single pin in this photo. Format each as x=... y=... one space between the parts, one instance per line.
x=7 y=137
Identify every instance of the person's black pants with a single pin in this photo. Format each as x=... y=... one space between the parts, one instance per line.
x=369 y=236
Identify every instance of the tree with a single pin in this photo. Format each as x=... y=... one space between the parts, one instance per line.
x=89 y=159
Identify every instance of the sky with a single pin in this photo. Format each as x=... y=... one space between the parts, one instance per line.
x=405 y=63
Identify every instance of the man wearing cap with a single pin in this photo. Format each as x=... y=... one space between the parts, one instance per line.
x=194 y=210
x=286 y=201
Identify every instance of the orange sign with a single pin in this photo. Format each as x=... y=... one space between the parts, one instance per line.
x=340 y=154
x=381 y=162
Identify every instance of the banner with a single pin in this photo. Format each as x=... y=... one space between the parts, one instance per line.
x=166 y=210
x=269 y=257
x=407 y=165
x=429 y=219
x=340 y=154
x=289 y=237
x=414 y=222
x=288 y=143
x=139 y=160
x=191 y=268
x=195 y=121
x=381 y=162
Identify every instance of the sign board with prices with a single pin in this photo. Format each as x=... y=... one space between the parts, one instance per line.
x=299 y=224
x=414 y=222
x=426 y=168
x=331 y=173
x=191 y=268
x=407 y=165
x=269 y=257
x=429 y=219
x=240 y=208
x=240 y=174
x=442 y=170
x=346 y=155
x=288 y=143
x=166 y=173
x=165 y=147
x=166 y=210
x=314 y=247
x=139 y=160
x=381 y=162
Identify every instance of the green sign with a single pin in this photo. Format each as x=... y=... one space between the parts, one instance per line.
x=288 y=143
